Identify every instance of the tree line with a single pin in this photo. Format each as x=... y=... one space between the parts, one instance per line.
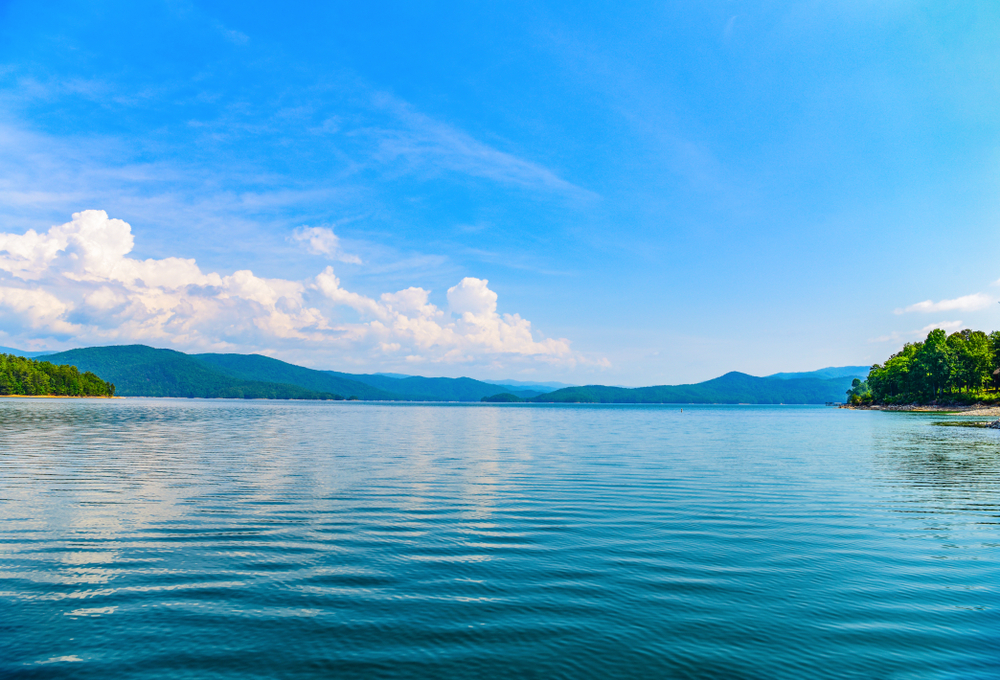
x=20 y=375
x=961 y=367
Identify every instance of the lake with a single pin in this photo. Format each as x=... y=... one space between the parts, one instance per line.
x=145 y=538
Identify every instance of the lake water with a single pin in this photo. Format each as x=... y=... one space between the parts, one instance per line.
x=228 y=539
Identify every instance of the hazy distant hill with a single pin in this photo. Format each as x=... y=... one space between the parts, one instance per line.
x=416 y=388
x=732 y=388
x=513 y=385
x=529 y=385
x=378 y=386
x=137 y=370
x=22 y=353
x=258 y=367
x=827 y=373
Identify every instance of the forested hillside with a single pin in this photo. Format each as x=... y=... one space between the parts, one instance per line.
x=138 y=370
x=258 y=367
x=142 y=371
x=20 y=375
x=362 y=386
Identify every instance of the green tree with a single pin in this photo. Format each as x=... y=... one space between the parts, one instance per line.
x=859 y=393
x=973 y=359
x=897 y=380
x=19 y=375
x=935 y=362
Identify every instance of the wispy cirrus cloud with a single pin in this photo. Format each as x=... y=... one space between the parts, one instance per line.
x=966 y=303
x=215 y=175
x=422 y=141
x=385 y=132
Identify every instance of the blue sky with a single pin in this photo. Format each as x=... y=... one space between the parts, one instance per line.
x=621 y=193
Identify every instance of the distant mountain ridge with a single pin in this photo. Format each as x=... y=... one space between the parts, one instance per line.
x=259 y=367
x=22 y=353
x=516 y=384
x=550 y=386
x=513 y=384
x=731 y=388
x=376 y=387
x=138 y=370
x=417 y=388
x=827 y=373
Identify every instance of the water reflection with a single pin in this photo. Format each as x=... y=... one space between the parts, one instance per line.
x=949 y=463
x=172 y=538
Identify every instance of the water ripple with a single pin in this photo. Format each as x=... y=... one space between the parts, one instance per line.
x=195 y=539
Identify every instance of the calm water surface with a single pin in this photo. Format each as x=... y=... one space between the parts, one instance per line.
x=225 y=539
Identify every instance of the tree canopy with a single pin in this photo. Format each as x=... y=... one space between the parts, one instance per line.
x=19 y=375
x=956 y=367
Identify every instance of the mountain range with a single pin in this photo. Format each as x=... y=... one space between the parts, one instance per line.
x=138 y=370
x=827 y=373
x=22 y=353
x=731 y=388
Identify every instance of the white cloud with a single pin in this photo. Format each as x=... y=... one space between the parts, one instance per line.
x=322 y=241
x=76 y=282
x=949 y=326
x=33 y=309
x=966 y=303
x=472 y=297
x=919 y=334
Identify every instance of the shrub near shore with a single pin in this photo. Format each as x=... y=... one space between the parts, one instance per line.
x=30 y=377
x=961 y=368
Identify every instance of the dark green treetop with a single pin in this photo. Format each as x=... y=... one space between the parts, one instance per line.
x=949 y=367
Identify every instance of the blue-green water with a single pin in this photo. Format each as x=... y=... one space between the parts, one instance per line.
x=223 y=539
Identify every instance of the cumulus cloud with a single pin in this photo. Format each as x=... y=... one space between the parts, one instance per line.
x=322 y=241
x=919 y=334
x=949 y=326
x=966 y=303
x=76 y=282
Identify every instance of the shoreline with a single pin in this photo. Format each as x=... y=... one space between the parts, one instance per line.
x=52 y=396
x=973 y=410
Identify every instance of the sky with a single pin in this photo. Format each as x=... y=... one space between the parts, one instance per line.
x=620 y=193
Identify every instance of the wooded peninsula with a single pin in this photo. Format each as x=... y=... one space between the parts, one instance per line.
x=961 y=368
x=30 y=377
